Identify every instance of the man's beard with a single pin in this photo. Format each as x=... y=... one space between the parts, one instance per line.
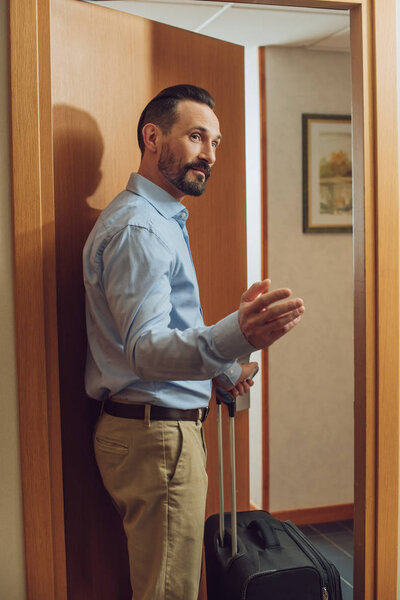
x=176 y=173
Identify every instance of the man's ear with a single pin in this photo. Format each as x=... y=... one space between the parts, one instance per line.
x=151 y=137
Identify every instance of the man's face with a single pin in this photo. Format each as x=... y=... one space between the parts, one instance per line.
x=188 y=150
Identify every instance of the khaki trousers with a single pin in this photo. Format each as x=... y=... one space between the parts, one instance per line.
x=155 y=471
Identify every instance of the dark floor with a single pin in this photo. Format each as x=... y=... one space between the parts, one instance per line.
x=335 y=541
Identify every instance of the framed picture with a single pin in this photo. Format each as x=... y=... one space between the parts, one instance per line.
x=327 y=174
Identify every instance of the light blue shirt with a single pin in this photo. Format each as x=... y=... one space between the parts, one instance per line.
x=147 y=341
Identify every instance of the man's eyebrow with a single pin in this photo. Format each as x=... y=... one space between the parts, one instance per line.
x=201 y=128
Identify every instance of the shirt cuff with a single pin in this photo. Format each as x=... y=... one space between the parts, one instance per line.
x=229 y=377
x=229 y=339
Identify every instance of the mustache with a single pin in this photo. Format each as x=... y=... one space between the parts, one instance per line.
x=199 y=165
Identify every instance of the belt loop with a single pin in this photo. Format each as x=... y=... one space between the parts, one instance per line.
x=147 y=408
x=200 y=416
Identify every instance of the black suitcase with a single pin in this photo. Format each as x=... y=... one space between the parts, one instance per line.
x=260 y=558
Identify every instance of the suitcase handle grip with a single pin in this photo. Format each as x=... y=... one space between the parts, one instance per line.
x=224 y=397
x=266 y=532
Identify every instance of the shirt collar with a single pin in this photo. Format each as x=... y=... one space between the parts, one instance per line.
x=163 y=202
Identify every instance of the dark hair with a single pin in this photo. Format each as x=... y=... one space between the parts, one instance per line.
x=162 y=109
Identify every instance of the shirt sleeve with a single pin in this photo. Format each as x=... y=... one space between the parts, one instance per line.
x=137 y=268
x=230 y=376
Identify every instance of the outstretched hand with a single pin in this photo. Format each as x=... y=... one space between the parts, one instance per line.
x=264 y=317
x=262 y=320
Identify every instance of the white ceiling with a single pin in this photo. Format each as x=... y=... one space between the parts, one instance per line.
x=247 y=24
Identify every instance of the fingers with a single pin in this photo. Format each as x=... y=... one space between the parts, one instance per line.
x=295 y=308
x=266 y=308
x=247 y=370
x=241 y=388
x=286 y=319
x=266 y=316
x=265 y=300
x=278 y=333
x=263 y=334
x=260 y=287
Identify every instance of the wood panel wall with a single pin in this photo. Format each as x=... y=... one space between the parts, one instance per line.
x=106 y=65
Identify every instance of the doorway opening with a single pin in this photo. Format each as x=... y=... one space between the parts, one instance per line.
x=303 y=412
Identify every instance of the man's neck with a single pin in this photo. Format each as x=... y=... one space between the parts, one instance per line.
x=158 y=178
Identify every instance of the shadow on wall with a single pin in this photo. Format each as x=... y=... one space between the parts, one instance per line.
x=78 y=152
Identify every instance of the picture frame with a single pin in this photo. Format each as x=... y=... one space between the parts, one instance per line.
x=327 y=173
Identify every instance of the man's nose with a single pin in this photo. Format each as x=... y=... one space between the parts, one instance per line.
x=207 y=154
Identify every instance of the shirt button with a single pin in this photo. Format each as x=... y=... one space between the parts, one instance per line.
x=231 y=371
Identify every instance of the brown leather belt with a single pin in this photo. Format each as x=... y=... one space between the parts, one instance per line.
x=157 y=413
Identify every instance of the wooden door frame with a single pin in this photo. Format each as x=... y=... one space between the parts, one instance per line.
x=376 y=237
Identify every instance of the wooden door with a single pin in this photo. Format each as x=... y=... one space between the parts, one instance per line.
x=106 y=65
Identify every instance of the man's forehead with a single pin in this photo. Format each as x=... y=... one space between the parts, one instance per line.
x=196 y=114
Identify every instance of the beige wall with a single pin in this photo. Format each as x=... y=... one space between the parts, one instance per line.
x=311 y=370
x=12 y=572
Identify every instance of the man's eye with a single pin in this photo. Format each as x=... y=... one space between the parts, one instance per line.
x=196 y=137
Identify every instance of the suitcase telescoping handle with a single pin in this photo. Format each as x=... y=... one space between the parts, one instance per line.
x=224 y=397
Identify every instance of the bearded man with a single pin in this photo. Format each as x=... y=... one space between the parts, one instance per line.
x=151 y=359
